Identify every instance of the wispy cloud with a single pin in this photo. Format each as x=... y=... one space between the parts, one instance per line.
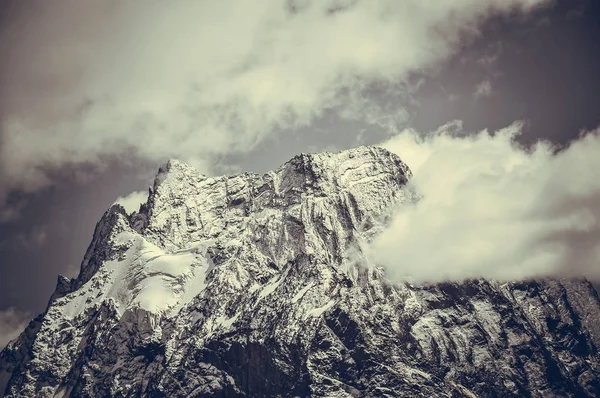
x=33 y=239
x=489 y=59
x=483 y=89
x=492 y=208
x=12 y=323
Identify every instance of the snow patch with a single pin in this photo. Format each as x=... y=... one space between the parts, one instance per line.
x=146 y=277
x=316 y=312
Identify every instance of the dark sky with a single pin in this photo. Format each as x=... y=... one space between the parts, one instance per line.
x=546 y=73
x=543 y=69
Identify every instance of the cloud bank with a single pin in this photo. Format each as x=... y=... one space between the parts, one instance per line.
x=84 y=81
x=494 y=209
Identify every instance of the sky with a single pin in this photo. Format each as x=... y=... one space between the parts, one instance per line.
x=492 y=103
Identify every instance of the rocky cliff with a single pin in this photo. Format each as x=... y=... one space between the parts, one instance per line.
x=259 y=286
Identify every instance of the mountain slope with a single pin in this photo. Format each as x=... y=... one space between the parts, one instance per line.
x=253 y=285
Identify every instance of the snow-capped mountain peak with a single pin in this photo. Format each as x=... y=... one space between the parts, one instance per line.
x=250 y=285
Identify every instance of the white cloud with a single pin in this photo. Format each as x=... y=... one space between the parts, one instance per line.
x=193 y=79
x=132 y=201
x=483 y=89
x=12 y=323
x=491 y=208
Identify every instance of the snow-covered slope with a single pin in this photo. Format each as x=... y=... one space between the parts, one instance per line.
x=253 y=285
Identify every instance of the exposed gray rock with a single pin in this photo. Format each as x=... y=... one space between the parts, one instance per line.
x=250 y=286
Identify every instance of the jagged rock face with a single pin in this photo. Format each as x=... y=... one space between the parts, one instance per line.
x=250 y=286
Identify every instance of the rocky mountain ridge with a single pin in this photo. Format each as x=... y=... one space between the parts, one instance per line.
x=249 y=286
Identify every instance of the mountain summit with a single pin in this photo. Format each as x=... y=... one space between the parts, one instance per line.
x=259 y=286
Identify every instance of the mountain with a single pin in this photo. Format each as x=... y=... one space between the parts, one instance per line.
x=258 y=286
